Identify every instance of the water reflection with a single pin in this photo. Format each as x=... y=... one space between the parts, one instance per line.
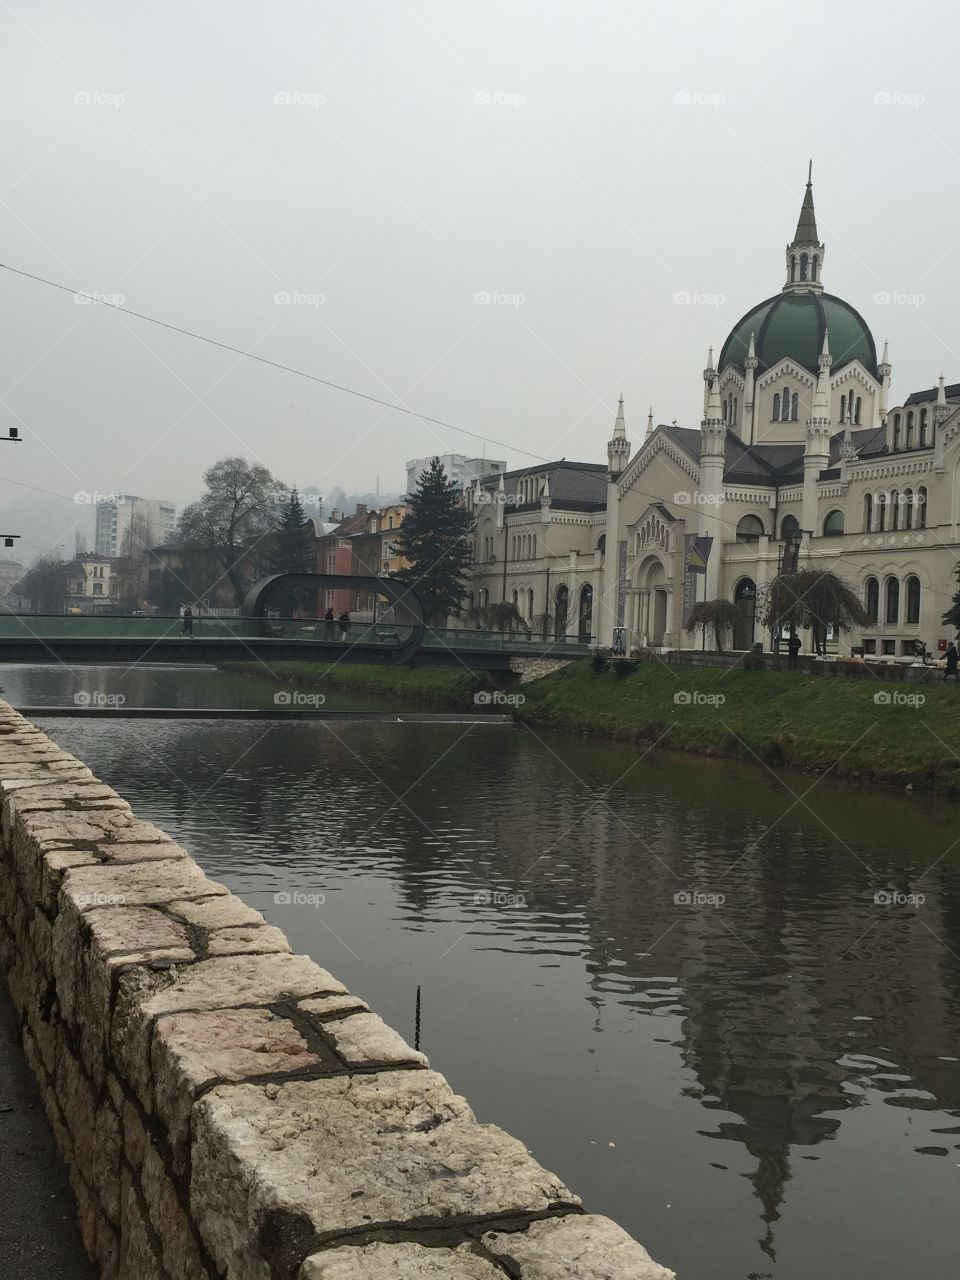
x=720 y=1076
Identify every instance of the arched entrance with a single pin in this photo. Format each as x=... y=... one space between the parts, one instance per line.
x=652 y=604
x=561 y=610
x=745 y=599
x=585 y=626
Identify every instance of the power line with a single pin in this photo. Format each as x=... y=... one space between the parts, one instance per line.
x=274 y=364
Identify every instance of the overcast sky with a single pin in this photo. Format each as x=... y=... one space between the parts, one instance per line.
x=382 y=164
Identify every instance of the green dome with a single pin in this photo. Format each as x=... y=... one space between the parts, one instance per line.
x=791 y=326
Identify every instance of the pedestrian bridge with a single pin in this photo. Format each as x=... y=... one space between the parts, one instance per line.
x=94 y=639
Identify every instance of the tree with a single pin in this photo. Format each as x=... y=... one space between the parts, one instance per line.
x=506 y=617
x=293 y=549
x=719 y=614
x=435 y=538
x=233 y=516
x=814 y=598
x=130 y=571
x=952 y=616
x=46 y=584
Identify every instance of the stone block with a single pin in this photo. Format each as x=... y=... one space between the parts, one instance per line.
x=231 y=981
x=192 y=1050
x=578 y=1247
x=333 y=1006
x=347 y=1154
x=246 y=939
x=364 y=1039
x=142 y=884
x=224 y=912
x=399 y=1262
x=139 y=1259
x=123 y=852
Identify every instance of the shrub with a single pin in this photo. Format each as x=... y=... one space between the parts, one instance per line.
x=623 y=666
x=600 y=661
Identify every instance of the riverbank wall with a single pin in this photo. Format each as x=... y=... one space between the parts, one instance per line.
x=228 y=1110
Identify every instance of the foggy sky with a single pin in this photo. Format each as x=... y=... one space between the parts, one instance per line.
x=581 y=162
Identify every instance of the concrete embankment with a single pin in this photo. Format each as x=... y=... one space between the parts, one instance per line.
x=228 y=1109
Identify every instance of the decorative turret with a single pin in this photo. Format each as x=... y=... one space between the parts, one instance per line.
x=805 y=253
x=709 y=374
x=941 y=409
x=749 y=389
x=649 y=425
x=618 y=449
x=713 y=447
x=713 y=429
x=501 y=501
x=816 y=453
x=847 y=448
x=884 y=370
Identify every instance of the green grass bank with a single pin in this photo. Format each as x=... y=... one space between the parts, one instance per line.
x=777 y=718
x=440 y=686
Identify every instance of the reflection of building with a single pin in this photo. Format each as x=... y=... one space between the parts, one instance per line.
x=147 y=521
x=463 y=471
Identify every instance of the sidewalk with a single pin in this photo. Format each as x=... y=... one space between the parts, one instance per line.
x=39 y=1237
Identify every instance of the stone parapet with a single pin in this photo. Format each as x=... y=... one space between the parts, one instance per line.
x=226 y=1109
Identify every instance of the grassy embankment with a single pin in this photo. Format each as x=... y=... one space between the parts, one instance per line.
x=810 y=722
x=780 y=718
x=450 y=687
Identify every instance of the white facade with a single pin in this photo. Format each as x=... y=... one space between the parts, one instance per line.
x=157 y=516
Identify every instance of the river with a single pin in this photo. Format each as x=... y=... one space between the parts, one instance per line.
x=670 y=977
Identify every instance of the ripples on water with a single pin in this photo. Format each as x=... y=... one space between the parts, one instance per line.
x=763 y=1088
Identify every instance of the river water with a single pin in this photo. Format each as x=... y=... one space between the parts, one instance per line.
x=670 y=977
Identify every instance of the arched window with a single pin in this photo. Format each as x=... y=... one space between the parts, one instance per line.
x=923 y=427
x=795 y=409
x=733 y=411
x=856 y=416
x=815 y=266
x=785 y=404
x=530 y=603
x=843 y=409
x=894 y=509
x=534 y=547
x=872 y=600
x=793 y=267
x=910 y=429
x=750 y=529
x=833 y=525
x=921 y=508
x=868 y=513
x=776 y=407
x=513 y=597
x=907 y=502
x=896 y=431
x=913 y=598
x=881 y=512
x=893 y=600
x=602 y=543
x=804 y=261
x=788 y=525
x=726 y=410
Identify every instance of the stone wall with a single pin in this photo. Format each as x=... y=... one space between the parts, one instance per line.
x=228 y=1109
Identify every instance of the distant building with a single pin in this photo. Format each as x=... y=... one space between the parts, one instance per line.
x=362 y=545
x=11 y=571
x=90 y=584
x=154 y=521
x=463 y=471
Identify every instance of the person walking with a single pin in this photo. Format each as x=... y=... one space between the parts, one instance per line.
x=793 y=650
x=953 y=663
x=187 y=622
x=329 y=622
x=344 y=625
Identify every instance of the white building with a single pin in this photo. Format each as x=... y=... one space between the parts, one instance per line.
x=154 y=521
x=463 y=471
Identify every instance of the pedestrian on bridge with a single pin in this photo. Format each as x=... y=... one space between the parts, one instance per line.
x=187 y=622
x=344 y=626
x=953 y=663
x=329 y=623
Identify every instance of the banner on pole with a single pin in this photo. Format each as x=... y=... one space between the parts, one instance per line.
x=696 y=554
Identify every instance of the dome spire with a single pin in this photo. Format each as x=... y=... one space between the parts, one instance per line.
x=805 y=251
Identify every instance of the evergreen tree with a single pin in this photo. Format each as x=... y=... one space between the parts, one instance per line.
x=435 y=538
x=952 y=616
x=293 y=550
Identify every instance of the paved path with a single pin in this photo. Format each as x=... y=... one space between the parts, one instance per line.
x=39 y=1237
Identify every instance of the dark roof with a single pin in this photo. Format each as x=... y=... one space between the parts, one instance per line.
x=775 y=464
x=923 y=397
x=792 y=325
x=807 y=224
x=576 y=486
